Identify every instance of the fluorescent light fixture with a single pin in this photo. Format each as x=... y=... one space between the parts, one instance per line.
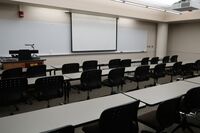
x=146 y=6
x=174 y=12
x=135 y=4
x=158 y=9
x=121 y=1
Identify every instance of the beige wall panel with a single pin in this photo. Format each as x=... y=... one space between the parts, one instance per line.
x=184 y=40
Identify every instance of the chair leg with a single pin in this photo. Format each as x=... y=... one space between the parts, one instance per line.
x=155 y=81
x=112 y=92
x=171 y=78
x=137 y=86
x=121 y=87
x=88 y=94
x=48 y=103
x=16 y=108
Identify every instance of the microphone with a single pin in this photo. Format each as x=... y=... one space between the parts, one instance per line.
x=31 y=45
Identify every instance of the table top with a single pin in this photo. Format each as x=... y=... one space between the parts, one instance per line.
x=154 y=95
x=194 y=80
x=55 y=117
x=31 y=81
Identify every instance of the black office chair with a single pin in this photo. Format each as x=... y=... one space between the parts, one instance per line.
x=36 y=71
x=158 y=72
x=114 y=63
x=70 y=68
x=115 y=78
x=166 y=114
x=67 y=129
x=141 y=74
x=175 y=70
x=187 y=70
x=190 y=106
x=165 y=59
x=120 y=119
x=12 y=73
x=90 y=80
x=197 y=66
x=48 y=88
x=174 y=58
x=12 y=91
x=145 y=61
x=126 y=63
x=90 y=65
x=154 y=60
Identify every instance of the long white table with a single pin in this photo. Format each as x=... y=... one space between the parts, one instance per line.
x=31 y=81
x=154 y=95
x=195 y=80
x=55 y=117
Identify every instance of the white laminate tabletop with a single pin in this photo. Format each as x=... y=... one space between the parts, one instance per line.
x=32 y=80
x=73 y=76
x=194 y=80
x=160 y=93
x=56 y=66
x=60 y=116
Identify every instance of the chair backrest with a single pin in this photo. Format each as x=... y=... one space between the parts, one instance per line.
x=174 y=58
x=165 y=59
x=126 y=63
x=11 y=90
x=114 y=63
x=116 y=76
x=159 y=70
x=187 y=69
x=197 y=65
x=120 y=119
x=70 y=68
x=90 y=65
x=12 y=73
x=145 y=61
x=154 y=60
x=142 y=73
x=191 y=101
x=177 y=68
x=49 y=87
x=91 y=79
x=168 y=112
x=67 y=129
x=35 y=71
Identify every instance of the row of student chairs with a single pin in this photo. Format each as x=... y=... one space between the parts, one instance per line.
x=14 y=90
x=91 y=79
x=124 y=118
x=33 y=71
x=113 y=63
x=155 y=60
x=74 y=67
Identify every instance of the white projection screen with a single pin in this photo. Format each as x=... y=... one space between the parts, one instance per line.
x=93 y=33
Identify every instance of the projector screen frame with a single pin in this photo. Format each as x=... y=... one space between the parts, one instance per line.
x=92 y=51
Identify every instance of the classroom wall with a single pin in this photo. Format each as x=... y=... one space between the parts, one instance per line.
x=184 y=40
x=33 y=13
x=101 y=6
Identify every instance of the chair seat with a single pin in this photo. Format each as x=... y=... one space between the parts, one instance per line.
x=150 y=120
x=92 y=129
x=106 y=82
x=137 y=79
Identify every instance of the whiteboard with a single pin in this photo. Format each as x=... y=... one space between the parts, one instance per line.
x=49 y=38
x=93 y=33
x=131 y=38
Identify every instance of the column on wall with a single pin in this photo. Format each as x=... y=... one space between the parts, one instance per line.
x=162 y=37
